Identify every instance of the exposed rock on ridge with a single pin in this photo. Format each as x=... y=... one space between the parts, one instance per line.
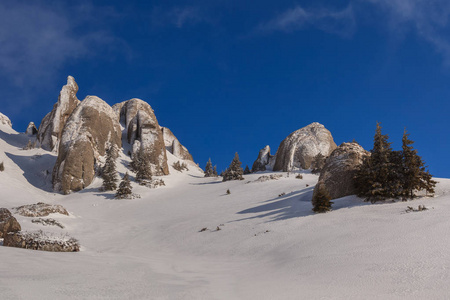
x=144 y=132
x=50 y=130
x=301 y=146
x=264 y=159
x=7 y=223
x=174 y=146
x=90 y=130
x=340 y=168
x=31 y=129
x=5 y=120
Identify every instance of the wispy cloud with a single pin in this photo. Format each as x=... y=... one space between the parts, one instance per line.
x=178 y=16
x=38 y=39
x=341 y=22
x=429 y=19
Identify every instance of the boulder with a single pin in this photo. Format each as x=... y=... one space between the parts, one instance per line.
x=8 y=223
x=340 y=168
x=143 y=132
x=264 y=160
x=50 y=130
x=40 y=209
x=40 y=240
x=174 y=146
x=31 y=129
x=300 y=147
x=4 y=120
x=91 y=129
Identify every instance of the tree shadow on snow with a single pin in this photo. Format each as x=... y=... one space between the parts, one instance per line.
x=291 y=205
x=294 y=205
x=37 y=169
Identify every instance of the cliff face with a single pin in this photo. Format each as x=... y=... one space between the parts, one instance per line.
x=300 y=147
x=50 y=130
x=91 y=129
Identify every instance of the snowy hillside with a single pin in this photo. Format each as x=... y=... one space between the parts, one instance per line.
x=262 y=241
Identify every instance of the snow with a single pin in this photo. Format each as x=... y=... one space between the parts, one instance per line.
x=269 y=247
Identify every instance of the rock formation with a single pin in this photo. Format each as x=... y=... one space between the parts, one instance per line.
x=264 y=160
x=50 y=130
x=7 y=223
x=144 y=132
x=340 y=168
x=301 y=146
x=5 y=120
x=31 y=129
x=90 y=130
x=174 y=146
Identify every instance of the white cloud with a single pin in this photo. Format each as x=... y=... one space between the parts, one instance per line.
x=429 y=19
x=341 y=22
x=37 y=39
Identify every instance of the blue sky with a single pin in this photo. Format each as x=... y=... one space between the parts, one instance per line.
x=229 y=76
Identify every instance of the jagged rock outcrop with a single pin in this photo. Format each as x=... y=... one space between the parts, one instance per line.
x=40 y=209
x=40 y=240
x=5 y=120
x=144 y=132
x=7 y=223
x=264 y=160
x=174 y=146
x=339 y=170
x=90 y=130
x=301 y=146
x=50 y=130
x=31 y=129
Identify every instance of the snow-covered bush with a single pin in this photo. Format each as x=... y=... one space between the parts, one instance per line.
x=180 y=166
x=40 y=210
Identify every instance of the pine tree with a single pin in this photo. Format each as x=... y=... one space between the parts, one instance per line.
x=209 y=171
x=414 y=174
x=124 y=190
x=215 y=171
x=321 y=200
x=246 y=170
x=143 y=167
x=109 y=173
x=377 y=178
x=318 y=163
x=234 y=171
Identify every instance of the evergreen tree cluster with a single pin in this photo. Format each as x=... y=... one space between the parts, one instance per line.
x=234 y=171
x=392 y=174
x=210 y=171
x=321 y=200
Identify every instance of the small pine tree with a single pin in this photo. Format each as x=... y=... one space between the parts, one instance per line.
x=142 y=167
x=2 y=167
x=321 y=200
x=246 y=170
x=318 y=163
x=215 y=171
x=234 y=171
x=124 y=190
x=209 y=171
x=228 y=192
x=109 y=173
x=414 y=174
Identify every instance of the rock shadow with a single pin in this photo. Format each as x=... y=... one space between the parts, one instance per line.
x=37 y=169
x=16 y=140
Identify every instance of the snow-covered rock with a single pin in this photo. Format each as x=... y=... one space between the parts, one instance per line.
x=4 y=120
x=300 y=147
x=264 y=160
x=50 y=130
x=144 y=132
x=31 y=129
x=174 y=146
x=340 y=168
x=7 y=223
x=90 y=130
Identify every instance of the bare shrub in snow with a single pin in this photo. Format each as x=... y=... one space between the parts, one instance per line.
x=40 y=210
x=30 y=145
x=299 y=176
x=180 y=166
x=40 y=240
x=2 y=167
x=48 y=222
x=419 y=208
x=228 y=192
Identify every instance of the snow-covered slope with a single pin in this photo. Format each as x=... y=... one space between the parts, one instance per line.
x=269 y=246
